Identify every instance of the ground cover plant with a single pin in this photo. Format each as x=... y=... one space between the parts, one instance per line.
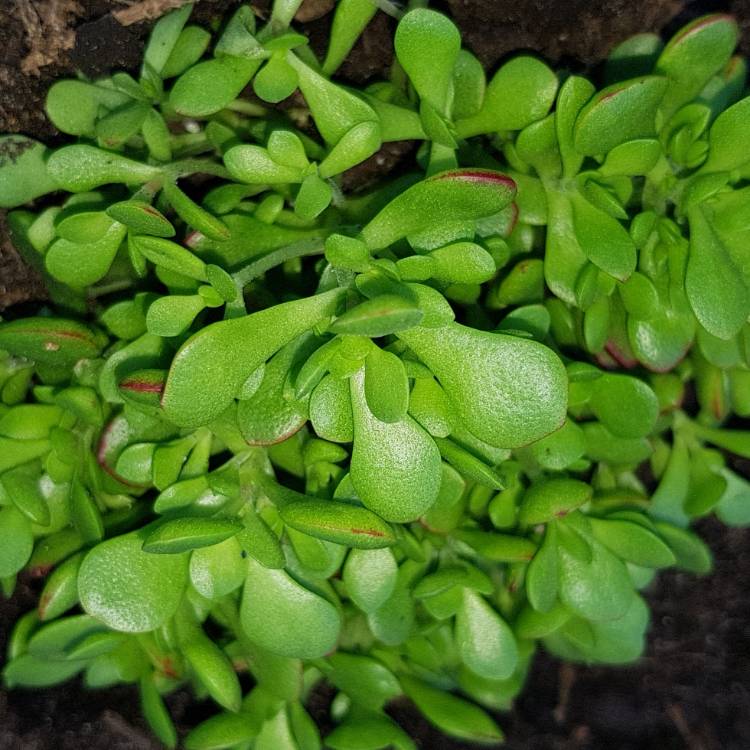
x=267 y=433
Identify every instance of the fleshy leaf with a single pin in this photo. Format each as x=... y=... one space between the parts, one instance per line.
x=81 y=168
x=484 y=639
x=23 y=171
x=619 y=113
x=553 y=498
x=427 y=45
x=194 y=394
x=446 y=198
x=716 y=290
x=493 y=380
x=453 y=715
x=386 y=386
x=521 y=92
x=209 y=86
x=128 y=589
x=284 y=617
x=50 y=340
x=379 y=316
x=729 y=138
x=370 y=577
x=183 y=534
x=395 y=467
x=699 y=50
x=342 y=523
x=16 y=540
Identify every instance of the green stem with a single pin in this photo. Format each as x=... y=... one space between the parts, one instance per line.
x=186 y=167
x=260 y=266
x=244 y=107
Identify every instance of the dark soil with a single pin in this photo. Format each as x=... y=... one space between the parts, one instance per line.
x=691 y=690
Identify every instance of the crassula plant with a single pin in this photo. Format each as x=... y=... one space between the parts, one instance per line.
x=267 y=433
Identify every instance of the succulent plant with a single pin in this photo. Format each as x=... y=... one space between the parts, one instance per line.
x=394 y=440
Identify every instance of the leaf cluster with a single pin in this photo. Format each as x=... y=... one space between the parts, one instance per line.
x=394 y=441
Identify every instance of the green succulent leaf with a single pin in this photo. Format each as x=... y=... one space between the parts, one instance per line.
x=379 y=316
x=453 y=715
x=521 y=92
x=553 y=498
x=395 y=466
x=342 y=523
x=81 y=168
x=619 y=113
x=485 y=640
x=632 y=542
x=489 y=377
x=217 y=570
x=128 y=589
x=284 y=617
x=611 y=392
x=188 y=401
x=427 y=45
x=446 y=198
x=23 y=171
x=211 y=85
x=17 y=540
x=184 y=534
x=370 y=577
x=716 y=290
x=694 y=54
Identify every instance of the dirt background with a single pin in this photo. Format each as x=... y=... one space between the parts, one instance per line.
x=692 y=688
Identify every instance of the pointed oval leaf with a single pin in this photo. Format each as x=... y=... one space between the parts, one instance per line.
x=542 y=578
x=452 y=714
x=604 y=241
x=286 y=618
x=370 y=577
x=485 y=641
x=395 y=467
x=129 y=589
x=715 y=288
x=633 y=543
x=364 y=679
x=156 y=713
x=16 y=541
x=342 y=523
x=184 y=534
x=142 y=218
x=215 y=672
x=493 y=380
x=195 y=394
x=619 y=113
x=223 y=731
x=597 y=590
x=446 y=198
x=80 y=168
x=379 y=316
x=53 y=341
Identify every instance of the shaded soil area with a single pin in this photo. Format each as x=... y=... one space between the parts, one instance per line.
x=691 y=690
